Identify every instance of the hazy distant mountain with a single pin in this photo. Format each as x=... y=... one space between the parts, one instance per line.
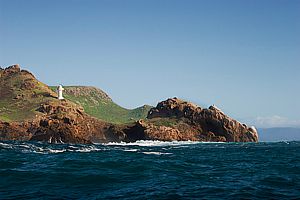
x=279 y=134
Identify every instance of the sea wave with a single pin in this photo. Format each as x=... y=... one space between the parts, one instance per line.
x=155 y=153
x=150 y=143
x=45 y=148
x=153 y=170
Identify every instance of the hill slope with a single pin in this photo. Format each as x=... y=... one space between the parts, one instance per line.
x=98 y=104
x=21 y=94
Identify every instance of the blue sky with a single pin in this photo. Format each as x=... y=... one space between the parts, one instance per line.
x=243 y=56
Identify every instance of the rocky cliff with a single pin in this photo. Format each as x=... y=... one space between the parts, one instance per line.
x=197 y=123
x=62 y=121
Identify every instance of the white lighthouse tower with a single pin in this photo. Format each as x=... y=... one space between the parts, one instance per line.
x=60 y=90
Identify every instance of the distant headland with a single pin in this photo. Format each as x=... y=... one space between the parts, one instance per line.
x=31 y=110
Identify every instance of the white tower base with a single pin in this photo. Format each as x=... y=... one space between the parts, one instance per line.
x=60 y=90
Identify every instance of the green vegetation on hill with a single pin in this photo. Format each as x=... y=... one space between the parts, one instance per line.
x=98 y=104
x=21 y=94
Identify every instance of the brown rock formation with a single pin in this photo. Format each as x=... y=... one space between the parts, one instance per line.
x=66 y=122
x=15 y=131
x=203 y=124
x=12 y=69
x=62 y=122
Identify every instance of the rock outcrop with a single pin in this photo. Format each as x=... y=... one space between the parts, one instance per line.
x=62 y=122
x=202 y=124
x=15 y=131
x=68 y=123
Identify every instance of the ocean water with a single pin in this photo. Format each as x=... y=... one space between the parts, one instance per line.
x=150 y=170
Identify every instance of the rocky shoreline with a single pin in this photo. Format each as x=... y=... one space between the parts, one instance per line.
x=63 y=121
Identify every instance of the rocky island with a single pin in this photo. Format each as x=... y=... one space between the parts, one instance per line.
x=30 y=111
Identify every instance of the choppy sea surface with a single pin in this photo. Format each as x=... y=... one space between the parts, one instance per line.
x=150 y=170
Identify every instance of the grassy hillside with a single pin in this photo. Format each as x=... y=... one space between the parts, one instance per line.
x=21 y=94
x=98 y=104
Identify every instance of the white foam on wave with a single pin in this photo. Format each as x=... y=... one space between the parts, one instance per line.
x=24 y=145
x=57 y=150
x=36 y=148
x=151 y=143
x=155 y=153
x=87 y=149
x=5 y=145
x=123 y=146
x=131 y=150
